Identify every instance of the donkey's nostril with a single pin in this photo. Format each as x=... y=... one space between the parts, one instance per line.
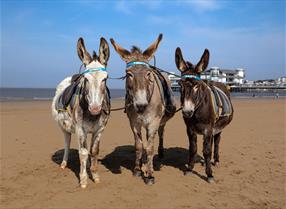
x=141 y=107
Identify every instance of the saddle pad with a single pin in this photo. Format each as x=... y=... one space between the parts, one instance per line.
x=166 y=92
x=67 y=98
x=221 y=102
x=70 y=90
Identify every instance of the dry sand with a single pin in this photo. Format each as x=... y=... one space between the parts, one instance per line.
x=251 y=175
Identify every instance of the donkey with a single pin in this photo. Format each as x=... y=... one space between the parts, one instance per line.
x=89 y=111
x=148 y=104
x=206 y=109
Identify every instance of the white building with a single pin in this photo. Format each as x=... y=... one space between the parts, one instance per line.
x=281 y=81
x=226 y=76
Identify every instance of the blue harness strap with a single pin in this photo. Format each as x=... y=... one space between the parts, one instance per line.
x=192 y=76
x=129 y=64
x=91 y=70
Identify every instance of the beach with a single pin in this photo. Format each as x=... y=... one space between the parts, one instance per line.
x=252 y=170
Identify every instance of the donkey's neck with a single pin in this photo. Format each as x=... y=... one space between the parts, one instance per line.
x=204 y=107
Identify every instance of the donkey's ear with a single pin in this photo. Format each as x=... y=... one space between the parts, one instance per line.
x=149 y=52
x=104 y=52
x=203 y=63
x=180 y=62
x=124 y=53
x=82 y=53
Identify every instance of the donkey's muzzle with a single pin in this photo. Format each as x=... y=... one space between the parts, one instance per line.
x=140 y=108
x=94 y=109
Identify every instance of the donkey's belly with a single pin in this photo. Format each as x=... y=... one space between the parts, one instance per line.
x=221 y=124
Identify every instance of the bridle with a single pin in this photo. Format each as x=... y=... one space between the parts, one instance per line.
x=83 y=84
x=197 y=104
x=130 y=64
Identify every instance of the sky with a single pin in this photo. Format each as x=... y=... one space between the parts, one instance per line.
x=38 y=38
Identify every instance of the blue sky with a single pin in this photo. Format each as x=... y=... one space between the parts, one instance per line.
x=38 y=38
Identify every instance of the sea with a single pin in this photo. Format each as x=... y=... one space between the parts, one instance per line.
x=20 y=94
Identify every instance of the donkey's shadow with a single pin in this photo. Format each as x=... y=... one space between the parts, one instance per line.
x=73 y=162
x=124 y=156
x=121 y=156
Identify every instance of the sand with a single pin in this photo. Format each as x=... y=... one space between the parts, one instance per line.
x=251 y=174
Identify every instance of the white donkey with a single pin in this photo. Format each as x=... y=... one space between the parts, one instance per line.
x=87 y=109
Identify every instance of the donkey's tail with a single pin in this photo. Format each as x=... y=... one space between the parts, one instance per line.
x=59 y=90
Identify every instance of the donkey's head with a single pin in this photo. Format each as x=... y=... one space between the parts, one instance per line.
x=191 y=84
x=139 y=76
x=95 y=75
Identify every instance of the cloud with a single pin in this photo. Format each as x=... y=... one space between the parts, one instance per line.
x=151 y=5
x=160 y=20
x=123 y=7
x=127 y=7
x=204 y=5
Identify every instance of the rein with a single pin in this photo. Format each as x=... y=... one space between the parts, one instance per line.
x=153 y=67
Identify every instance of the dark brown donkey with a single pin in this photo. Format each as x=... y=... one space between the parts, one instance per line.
x=149 y=104
x=206 y=108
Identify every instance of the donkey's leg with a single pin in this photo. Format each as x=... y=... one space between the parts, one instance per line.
x=161 y=140
x=94 y=150
x=216 y=148
x=207 y=151
x=67 y=136
x=136 y=129
x=148 y=170
x=83 y=156
x=192 y=150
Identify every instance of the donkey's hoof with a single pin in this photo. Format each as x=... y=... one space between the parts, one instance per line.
x=137 y=173
x=211 y=180
x=83 y=186
x=96 y=178
x=188 y=172
x=202 y=162
x=149 y=180
x=63 y=164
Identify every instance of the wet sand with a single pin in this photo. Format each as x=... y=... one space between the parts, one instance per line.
x=252 y=172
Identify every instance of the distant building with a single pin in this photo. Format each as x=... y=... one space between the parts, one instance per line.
x=281 y=81
x=226 y=76
x=174 y=82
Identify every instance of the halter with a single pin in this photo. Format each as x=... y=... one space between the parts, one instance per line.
x=130 y=64
x=192 y=76
x=92 y=70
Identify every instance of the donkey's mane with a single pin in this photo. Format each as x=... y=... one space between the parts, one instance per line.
x=136 y=49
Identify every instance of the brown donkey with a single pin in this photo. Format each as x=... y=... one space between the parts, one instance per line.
x=149 y=104
x=206 y=108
